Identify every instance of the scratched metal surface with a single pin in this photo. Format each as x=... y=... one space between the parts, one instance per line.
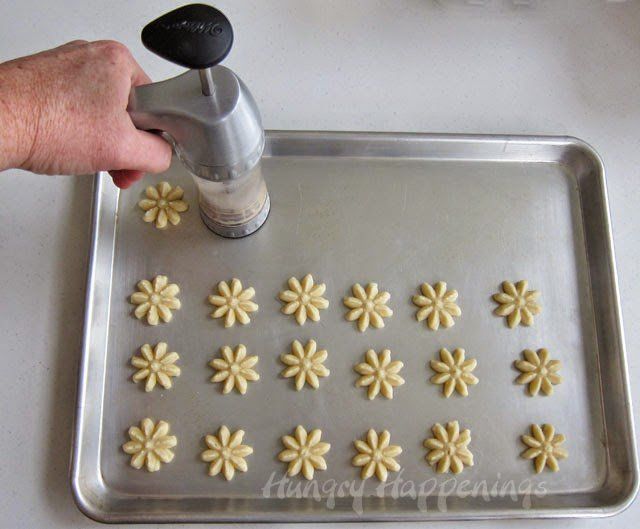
x=346 y=209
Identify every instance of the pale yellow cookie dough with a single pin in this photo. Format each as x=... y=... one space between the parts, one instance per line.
x=234 y=369
x=538 y=371
x=155 y=300
x=150 y=445
x=155 y=365
x=379 y=374
x=448 y=448
x=454 y=372
x=517 y=304
x=305 y=364
x=163 y=204
x=233 y=302
x=376 y=455
x=304 y=299
x=543 y=446
x=368 y=306
x=304 y=452
x=226 y=453
x=437 y=305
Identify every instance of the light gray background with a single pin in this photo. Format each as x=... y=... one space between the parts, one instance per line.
x=501 y=66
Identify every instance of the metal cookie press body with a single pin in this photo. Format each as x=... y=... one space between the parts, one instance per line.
x=208 y=116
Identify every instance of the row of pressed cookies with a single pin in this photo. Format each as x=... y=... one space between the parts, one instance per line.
x=378 y=372
x=368 y=306
x=304 y=452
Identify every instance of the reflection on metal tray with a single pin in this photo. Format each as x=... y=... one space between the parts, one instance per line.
x=398 y=209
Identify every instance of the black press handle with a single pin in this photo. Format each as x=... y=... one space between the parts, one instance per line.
x=195 y=36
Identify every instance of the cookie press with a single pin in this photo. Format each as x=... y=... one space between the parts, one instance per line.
x=208 y=116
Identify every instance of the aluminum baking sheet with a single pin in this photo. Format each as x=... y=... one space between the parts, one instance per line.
x=398 y=209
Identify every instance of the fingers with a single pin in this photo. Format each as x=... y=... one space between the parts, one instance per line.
x=123 y=178
x=144 y=151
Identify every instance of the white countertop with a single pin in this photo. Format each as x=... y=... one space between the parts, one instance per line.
x=487 y=66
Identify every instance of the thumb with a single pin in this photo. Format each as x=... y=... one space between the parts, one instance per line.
x=146 y=152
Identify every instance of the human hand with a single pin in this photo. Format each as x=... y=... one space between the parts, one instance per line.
x=64 y=111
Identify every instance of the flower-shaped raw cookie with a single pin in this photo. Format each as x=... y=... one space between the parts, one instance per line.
x=544 y=447
x=454 y=372
x=376 y=455
x=305 y=364
x=155 y=365
x=150 y=444
x=304 y=452
x=155 y=300
x=234 y=369
x=437 y=305
x=379 y=374
x=226 y=453
x=233 y=302
x=538 y=371
x=448 y=448
x=304 y=299
x=517 y=304
x=368 y=306
x=163 y=203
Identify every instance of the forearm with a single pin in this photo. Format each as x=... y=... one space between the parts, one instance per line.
x=18 y=114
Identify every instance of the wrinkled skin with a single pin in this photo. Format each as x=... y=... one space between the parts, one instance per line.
x=63 y=111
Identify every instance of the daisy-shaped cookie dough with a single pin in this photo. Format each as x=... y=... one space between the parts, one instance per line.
x=233 y=303
x=234 y=369
x=379 y=374
x=163 y=203
x=368 y=306
x=155 y=365
x=304 y=299
x=437 y=305
x=538 y=371
x=517 y=304
x=155 y=300
x=543 y=446
x=448 y=448
x=305 y=364
x=150 y=445
x=454 y=372
x=376 y=455
x=304 y=452
x=226 y=453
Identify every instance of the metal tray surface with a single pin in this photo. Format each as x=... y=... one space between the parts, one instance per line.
x=398 y=209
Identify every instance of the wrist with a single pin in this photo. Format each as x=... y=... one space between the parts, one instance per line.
x=18 y=115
